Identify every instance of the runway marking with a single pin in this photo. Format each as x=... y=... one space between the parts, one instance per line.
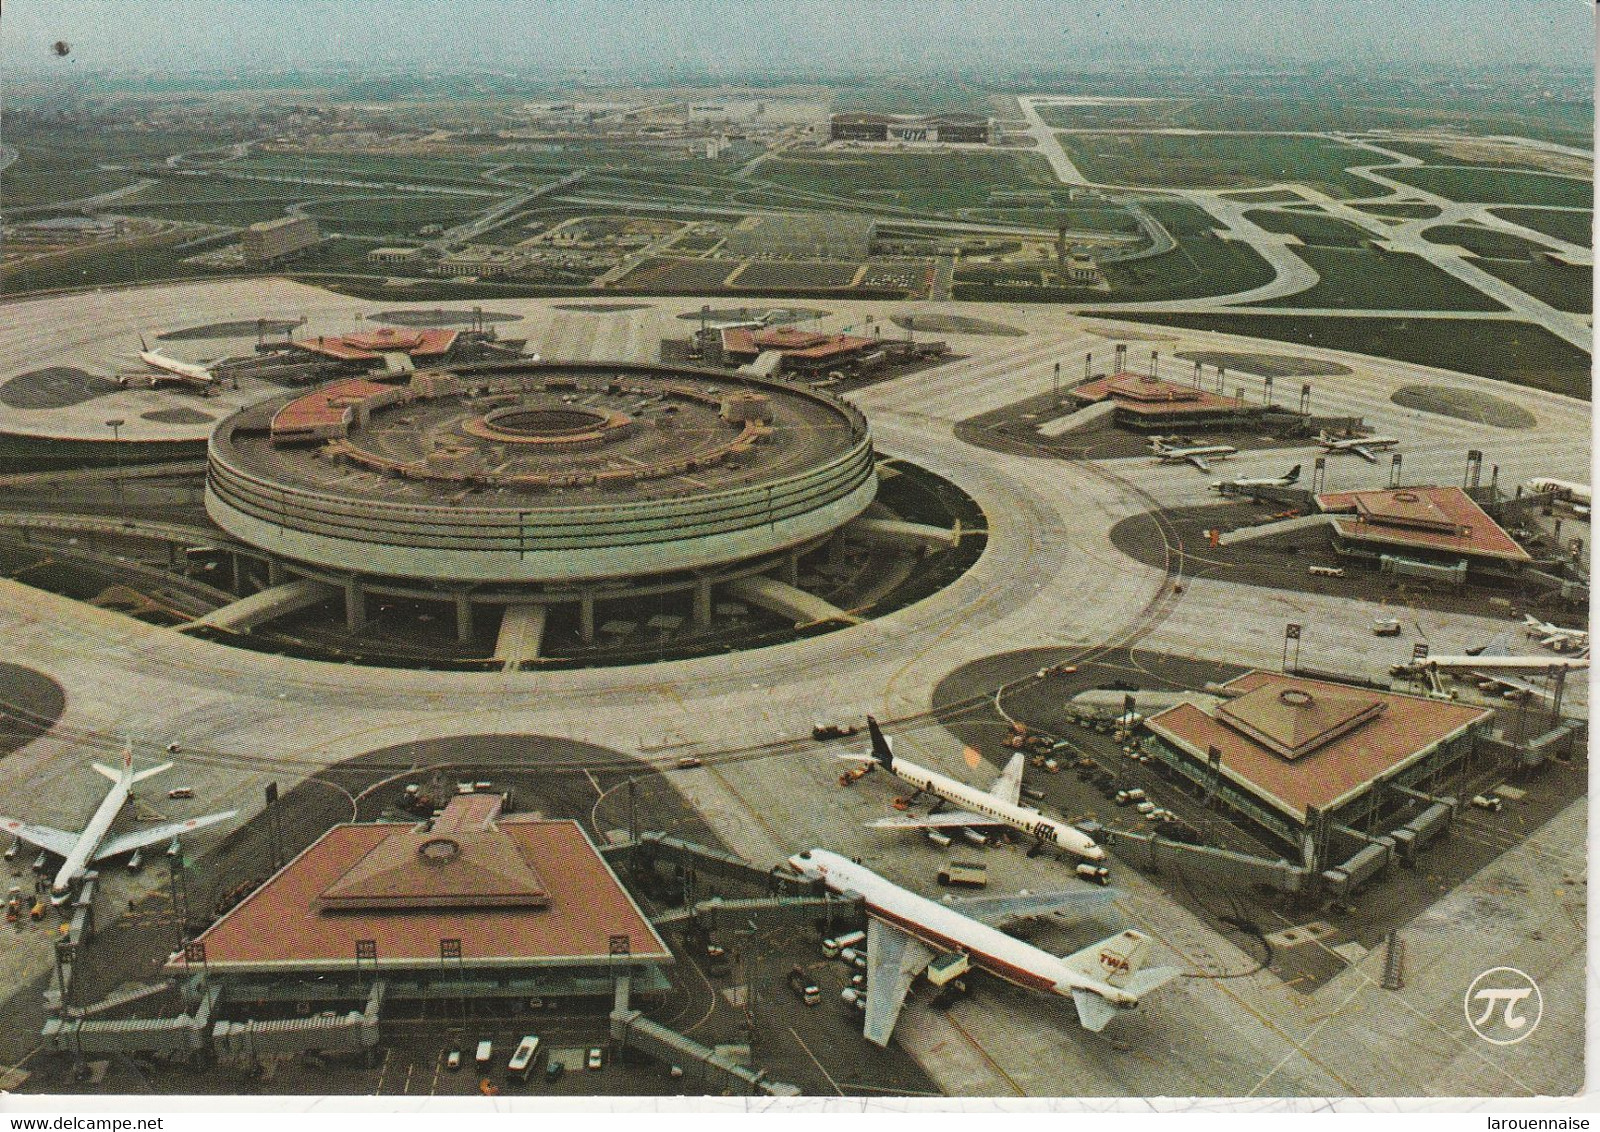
x=438 y=1066
x=815 y=1062
x=983 y=1053
x=1299 y=1047
x=411 y=1068
x=383 y=1071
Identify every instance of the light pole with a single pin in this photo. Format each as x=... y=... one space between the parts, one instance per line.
x=115 y=425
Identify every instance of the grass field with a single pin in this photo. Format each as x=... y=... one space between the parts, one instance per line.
x=1574 y=227
x=1482 y=241
x=1403 y=209
x=1563 y=286
x=61 y=164
x=1218 y=161
x=1315 y=229
x=1515 y=352
x=926 y=181
x=1475 y=184
x=1377 y=280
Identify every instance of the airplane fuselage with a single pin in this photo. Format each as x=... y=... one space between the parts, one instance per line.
x=946 y=929
x=185 y=370
x=981 y=802
x=89 y=841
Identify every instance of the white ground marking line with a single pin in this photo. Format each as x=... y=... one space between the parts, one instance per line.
x=1299 y=1047
x=815 y=1062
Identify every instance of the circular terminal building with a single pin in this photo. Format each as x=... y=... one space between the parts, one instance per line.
x=530 y=485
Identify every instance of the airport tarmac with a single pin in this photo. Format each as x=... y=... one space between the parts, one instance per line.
x=1049 y=578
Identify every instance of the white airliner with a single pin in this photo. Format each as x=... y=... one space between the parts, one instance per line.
x=1555 y=637
x=1198 y=455
x=165 y=370
x=1363 y=446
x=1578 y=494
x=1288 y=479
x=998 y=806
x=1493 y=668
x=907 y=932
x=80 y=850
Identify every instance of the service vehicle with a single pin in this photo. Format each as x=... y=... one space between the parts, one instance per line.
x=452 y=1060
x=856 y=958
x=967 y=874
x=181 y=792
x=938 y=837
x=831 y=948
x=1385 y=626
x=807 y=991
x=1094 y=874
x=553 y=1071
x=855 y=998
x=521 y=1063
x=485 y=1054
x=1146 y=807
x=596 y=1059
x=1492 y=802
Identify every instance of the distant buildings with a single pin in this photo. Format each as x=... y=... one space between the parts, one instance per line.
x=394 y=255
x=973 y=129
x=274 y=240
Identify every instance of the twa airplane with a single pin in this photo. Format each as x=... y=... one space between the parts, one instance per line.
x=906 y=933
x=997 y=806
x=1288 y=479
x=168 y=371
x=1363 y=446
x=80 y=850
x=1200 y=455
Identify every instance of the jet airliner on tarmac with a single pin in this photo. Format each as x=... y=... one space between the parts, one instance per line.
x=1198 y=455
x=999 y=806
x=1288 y=479
x=165 y=370
x=80 y=850
x=906 y=933
x=1363 y=446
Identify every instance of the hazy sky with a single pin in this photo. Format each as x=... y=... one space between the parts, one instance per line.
x=828 y=34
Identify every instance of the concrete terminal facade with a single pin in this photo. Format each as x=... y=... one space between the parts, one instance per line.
x=537 y=484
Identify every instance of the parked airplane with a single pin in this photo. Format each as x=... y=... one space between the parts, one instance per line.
x=1198 y=455
x=996 y=806
x=80 y=850
x=1492 y=667
x=1288 y=479
x=165 y=370
x=1566 y=489
x=1555 y=637
x=906 y=933
x=1363 y=446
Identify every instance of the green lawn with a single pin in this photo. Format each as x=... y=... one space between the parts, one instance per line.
x=1316 y=229
x=1406 y=210
x=1200 y=265
x=1515 y=352
x=1563 y=286
x=1496 y=186
x=1574 y=227
x=61 y=164
x=926 y=181
x=1378 y=280
x=1482 y=241
x=1219 y=161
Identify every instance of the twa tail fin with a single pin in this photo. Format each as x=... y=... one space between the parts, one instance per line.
x=881 y=750
x=1114 y=960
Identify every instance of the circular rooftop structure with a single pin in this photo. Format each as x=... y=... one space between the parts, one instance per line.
x=540 y=473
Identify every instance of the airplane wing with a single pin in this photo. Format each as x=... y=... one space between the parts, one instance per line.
x=1008 y=787
x=1513 y=683
x=1199 y=461
x=1365 y=453
x=156 y=834
x=57 y=841
x=935 y=821
x=894 y=960
x=1003 y=912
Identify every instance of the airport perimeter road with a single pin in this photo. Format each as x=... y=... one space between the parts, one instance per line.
x=1049 y=578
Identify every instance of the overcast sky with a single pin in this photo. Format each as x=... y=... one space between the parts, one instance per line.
x=746 y=34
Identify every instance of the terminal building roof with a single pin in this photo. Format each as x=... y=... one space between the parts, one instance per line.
x=1296 y=742
x=1430 y=518
x=1146 y=394
x=371 y=344
x=516 y=891
x=794 y=343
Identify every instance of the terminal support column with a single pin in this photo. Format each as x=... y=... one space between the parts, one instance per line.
x=789 y=568
x=586 y=618
x=355 y=605
x=463 y=617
